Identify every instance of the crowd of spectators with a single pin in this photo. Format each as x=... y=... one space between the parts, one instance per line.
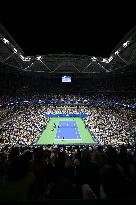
x=110 y=124
x=32 y=172
x=72 y=172
x=24 y=128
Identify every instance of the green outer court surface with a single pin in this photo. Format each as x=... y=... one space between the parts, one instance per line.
x=48 y=136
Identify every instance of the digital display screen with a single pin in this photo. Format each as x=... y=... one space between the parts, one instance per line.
x=66 y=79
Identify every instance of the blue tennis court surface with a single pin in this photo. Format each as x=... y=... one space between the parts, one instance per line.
x=68 y=130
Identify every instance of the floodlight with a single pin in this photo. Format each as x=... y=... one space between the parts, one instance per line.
x=5 y=40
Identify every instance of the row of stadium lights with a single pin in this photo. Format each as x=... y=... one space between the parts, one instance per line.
x=105 y=60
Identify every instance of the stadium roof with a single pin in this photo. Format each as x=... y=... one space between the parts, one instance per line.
x=11 y=54
x=84 y=38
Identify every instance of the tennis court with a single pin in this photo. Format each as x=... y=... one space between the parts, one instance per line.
x=68 y=130
x=65 y=130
